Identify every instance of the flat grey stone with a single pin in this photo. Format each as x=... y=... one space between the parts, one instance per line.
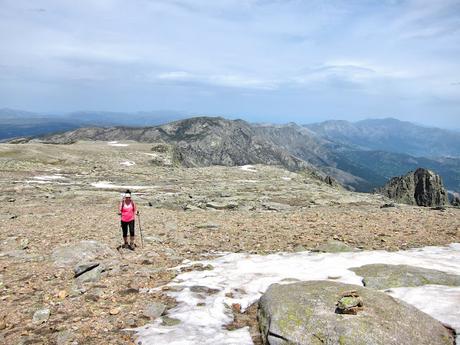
x=190 y=207
x=154 y=310
x=208 y=226
x=222 y=206
x=170 y=226
x=153 y=239
x=77 y=291
x=382 y=276
x=203 y=290
x=65 y=338
x=334 y=246
x=299 y=249
x=275 y=206
x=83 y=251
x=92 y=276
x=169 y=321
x=80 y=269
x=24 y=243
x=41 y=316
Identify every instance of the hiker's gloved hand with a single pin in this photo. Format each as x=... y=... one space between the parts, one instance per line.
x=137 y=212
x=119 y=213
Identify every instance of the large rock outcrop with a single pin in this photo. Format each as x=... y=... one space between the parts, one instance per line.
x=455 y=200
x=307 y=313
x=422 y=187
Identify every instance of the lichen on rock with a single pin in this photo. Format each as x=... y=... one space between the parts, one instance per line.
x=305 y=313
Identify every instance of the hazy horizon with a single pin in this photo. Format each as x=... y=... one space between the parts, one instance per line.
x=184 y=115
x=259 y=60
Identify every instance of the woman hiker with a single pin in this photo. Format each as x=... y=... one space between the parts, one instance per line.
x=127 y=211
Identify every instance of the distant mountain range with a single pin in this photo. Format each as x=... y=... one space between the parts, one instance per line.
x=19 y=123
x=391 y=135
x=206 y=141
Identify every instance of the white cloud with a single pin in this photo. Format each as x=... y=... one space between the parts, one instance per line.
x=354 y=72
x=217 y=47
x=226 y=80
x=179 y=75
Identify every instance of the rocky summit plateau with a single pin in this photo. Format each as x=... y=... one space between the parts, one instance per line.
x=220 y=223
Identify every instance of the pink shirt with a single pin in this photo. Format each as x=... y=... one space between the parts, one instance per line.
x=127 y=211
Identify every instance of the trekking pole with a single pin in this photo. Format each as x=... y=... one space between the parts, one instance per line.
x=140 y=230
x=120 y=207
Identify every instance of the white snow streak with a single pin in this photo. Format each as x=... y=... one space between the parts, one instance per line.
x=115 y=143
x=110 y=185
x=49 y=177
x=248 y=168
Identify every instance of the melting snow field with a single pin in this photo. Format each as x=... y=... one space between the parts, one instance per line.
x=248 y=276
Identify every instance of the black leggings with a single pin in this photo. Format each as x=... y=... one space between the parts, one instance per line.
x=125 y=226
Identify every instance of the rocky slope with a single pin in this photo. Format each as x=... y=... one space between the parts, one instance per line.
x=215 y=141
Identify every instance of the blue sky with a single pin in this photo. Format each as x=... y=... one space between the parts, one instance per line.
x=261 y=60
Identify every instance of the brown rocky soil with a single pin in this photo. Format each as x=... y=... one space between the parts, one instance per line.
x=194 y=213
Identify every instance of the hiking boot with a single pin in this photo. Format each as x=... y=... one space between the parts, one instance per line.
x=131 y=246
x=125 y=245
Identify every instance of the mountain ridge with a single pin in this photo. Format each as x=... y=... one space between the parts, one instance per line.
x=204 y=141
x=391 y=135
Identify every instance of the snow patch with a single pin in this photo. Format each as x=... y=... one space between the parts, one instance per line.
x=49 y=177
x=34 y=181
x=116 y=143
x=110 y=185
x=285 y=178
x=248 y=168
x=128 y=163
x=247 y=277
